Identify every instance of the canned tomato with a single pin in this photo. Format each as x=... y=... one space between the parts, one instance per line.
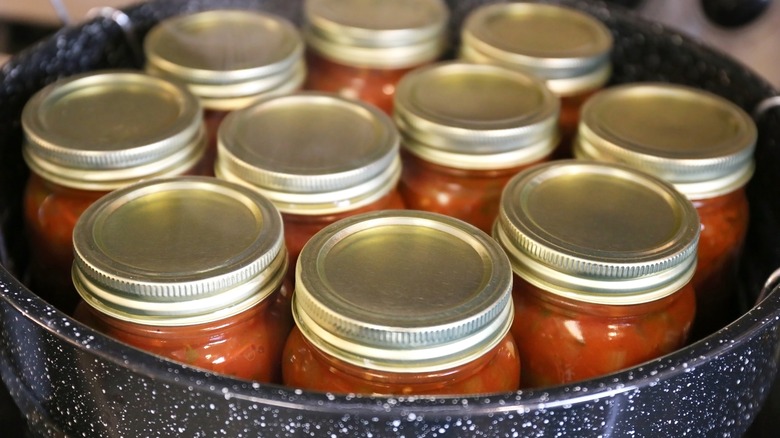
x=318 y=157
x=228 y=58
x=466 y=130
x=361 y=49
x=402 y=302
x=87 y=135
x=603 y=256
x=157 y=271
x=567 y=48
x=703 y=145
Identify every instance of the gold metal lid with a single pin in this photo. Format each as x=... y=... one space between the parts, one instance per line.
x=227 y=57
x=376 y=33
x=403 y=291
x=700 y=142
x=153 y=253
x=100 y=131
x=598 y=232
x=311 y=153
x=566 y=47
x=472 y=116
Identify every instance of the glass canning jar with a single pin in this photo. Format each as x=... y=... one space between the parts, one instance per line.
x=466 y=130
x=228 y=58
x=402 y=302
x=361 y=48
x=603 y=256
x=155 y=270
x=567 y=48
x=317 y=156
x=85 y=136
x=703 y=145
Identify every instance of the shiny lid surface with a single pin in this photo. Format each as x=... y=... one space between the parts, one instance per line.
x=376 y=33
x=104 y=130
x=178 y=251
x=473 y=116
x=598 y=232
x=403 y=291
x=311 y=153
x=226 y=57
x=700 y=142
x=568 y=48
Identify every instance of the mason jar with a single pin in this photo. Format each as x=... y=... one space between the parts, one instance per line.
x=228 y=58
x=567 y=48
x=156 y=270
x=402 y=302
x=317 y=156
x=466 y=130
x=361 y=48
x=85 y=136
x=603 y=256
x=701 y=143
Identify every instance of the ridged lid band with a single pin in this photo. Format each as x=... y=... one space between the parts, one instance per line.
x=475 y=161
x=195 y=310
x=410 y=359
x=106 y=179
x=376 y=57
x=563 y=86
x=321 y=203
x=384 y=35
x=577 y=287
x=239 y=95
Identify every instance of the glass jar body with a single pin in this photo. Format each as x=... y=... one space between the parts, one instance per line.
x=569 y=120
x=306 y=366
x=51 y=211
x=368 y=84
x=247 y=345
x=212 y=118
x=298 y=228
x=470 y=195
x=724 y=221
x=562 y=340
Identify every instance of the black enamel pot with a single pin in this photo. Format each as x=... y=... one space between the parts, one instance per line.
x=68 y=379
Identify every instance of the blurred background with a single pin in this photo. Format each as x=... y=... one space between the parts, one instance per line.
x=748 y=30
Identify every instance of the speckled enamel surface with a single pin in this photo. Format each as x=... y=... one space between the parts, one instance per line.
x=68 y=379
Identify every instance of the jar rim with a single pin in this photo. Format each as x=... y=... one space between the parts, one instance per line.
x=404 y=324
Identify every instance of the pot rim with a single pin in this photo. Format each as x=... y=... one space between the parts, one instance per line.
x=149 y=365
x=13 y=293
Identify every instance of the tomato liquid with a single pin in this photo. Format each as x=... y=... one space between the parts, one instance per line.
x=373 y=85
x=470 y=195
x=298 y=229
x=305 y=366
x=247 y=345
x=724 y=222
x=563 y=341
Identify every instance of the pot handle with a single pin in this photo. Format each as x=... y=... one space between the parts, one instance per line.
x=125 y=23
x=61 y=11
x=765 y=105
x=771 y=283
